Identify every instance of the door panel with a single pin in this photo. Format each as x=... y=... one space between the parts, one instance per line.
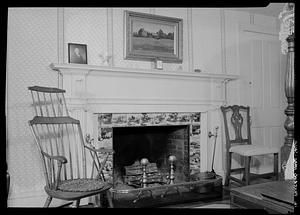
x=256 y=83
x=260 y=87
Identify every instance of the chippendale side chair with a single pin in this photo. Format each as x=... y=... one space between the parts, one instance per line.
x=238 y=141
x=63 y=149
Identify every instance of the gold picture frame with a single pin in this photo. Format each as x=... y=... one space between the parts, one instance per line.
x=153 y=37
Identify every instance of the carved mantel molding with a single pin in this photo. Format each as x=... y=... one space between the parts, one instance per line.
x=149 y=73
x=97 y=87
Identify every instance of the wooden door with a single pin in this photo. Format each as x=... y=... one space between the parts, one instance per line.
x=262 y=69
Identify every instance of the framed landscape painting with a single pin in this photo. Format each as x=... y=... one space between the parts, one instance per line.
x=153 y=37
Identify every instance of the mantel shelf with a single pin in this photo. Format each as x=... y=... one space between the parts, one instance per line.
x=97 y=70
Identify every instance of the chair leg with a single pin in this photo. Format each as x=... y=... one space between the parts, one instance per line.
x=97 y=199
x=247 y=169
x=48 y=201
x=276 y=166
x=228 y=168
x=77 y=203
x=109 y=198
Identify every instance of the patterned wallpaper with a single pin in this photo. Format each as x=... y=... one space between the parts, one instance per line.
x=31 y=47
x=89 y=26
x=86 y=26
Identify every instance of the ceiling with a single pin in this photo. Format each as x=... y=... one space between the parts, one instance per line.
x=273 y=9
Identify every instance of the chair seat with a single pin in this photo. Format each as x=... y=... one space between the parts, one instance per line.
x=81 y=185
x=252 y=150
x=85 y=190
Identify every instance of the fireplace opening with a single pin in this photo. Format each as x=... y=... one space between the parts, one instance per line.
x=156 y=143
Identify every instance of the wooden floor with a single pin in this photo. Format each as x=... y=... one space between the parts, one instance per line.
x=223 y=202
x=220 y=202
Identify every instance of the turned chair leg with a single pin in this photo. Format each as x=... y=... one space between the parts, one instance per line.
x=247 y=169
x=109 y=198
x=77 y=203
x=276 y=166
x=98 y=200
x=228 y=168
x=48 y=201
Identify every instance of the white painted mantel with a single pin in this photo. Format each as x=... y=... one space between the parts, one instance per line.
x=99 y=89
x=148 y=87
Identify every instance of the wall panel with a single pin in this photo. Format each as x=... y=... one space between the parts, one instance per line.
x=31 y=46
x=86 y=26
x=206 y=32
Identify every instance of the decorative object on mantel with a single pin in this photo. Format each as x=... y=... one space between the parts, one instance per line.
x=158 y=64
x=149 y=37
x=105 y=58
x=77 y=53
x=179 y=68
x=286 y=35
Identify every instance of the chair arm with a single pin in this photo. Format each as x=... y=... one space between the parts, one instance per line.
x=59 y=158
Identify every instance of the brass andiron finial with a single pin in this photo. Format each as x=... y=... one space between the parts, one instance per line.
x=172 y=159
x=144 y=163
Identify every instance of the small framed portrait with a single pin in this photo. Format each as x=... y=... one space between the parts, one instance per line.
x=77 y=53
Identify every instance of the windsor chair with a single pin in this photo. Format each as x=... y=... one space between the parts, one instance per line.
x=63 y=149
x=48 y=101
x=238 y=141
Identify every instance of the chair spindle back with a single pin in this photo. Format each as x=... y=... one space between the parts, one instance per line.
x=60 y=136
x=48 y=101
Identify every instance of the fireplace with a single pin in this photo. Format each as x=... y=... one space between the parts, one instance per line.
x=154 y=136
x=105 y=98
x=156 y=143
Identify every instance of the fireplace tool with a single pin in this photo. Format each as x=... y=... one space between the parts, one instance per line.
x=211 y=174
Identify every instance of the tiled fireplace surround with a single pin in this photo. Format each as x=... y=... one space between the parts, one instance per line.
x=104 y=98
x=182 y=139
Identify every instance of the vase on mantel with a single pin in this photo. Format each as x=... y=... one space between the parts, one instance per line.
x=290 y=110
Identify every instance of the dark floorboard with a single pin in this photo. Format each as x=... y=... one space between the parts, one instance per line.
x=219 y=201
